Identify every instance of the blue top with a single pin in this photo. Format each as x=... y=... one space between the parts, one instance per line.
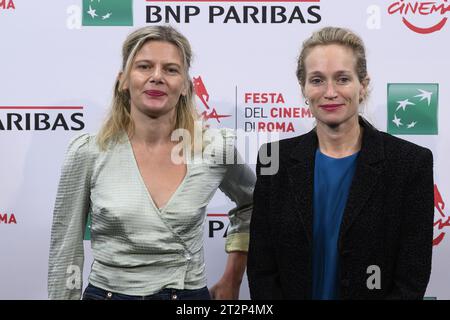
x=332 y=180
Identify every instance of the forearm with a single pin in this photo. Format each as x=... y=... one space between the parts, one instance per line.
x=229 y=285
x=235 y=267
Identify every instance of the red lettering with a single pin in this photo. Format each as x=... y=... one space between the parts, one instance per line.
x=395 y=7
x=272 y=97
x=425 y=8
x=261 y=126
x=280 y=99
x=441 y=8
x=275 y=126
x=12 y=219
x=306 y=112
x=422 y=8
x=269 y=97
x=248 y=97
x=4 y=218
x=10 y=4
x=411 y=7
x=263 y=98
x=290 y=127
x=284 y=112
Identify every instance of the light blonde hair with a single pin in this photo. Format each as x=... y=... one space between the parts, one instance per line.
x=119 y=119
x=335 y=35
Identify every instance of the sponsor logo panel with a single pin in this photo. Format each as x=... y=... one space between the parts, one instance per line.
x=413 y=108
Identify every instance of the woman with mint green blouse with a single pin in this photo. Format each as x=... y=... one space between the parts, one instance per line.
x=146 y=189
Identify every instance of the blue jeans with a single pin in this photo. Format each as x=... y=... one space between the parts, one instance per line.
x=94 y=293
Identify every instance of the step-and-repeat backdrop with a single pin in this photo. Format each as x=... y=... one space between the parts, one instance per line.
x=59 y=60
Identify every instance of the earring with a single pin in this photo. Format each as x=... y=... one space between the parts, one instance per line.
x=362 y=98
x=307 y=102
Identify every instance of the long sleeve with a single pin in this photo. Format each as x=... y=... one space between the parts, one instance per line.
x=66 y=258
x=413 y=267
x=238 y=184
x=262 y=270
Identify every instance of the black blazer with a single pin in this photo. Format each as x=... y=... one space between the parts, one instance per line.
x=387 y=222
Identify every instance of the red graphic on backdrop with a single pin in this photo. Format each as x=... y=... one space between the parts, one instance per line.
x=203 y=95
x=421 y=8
x=200 y=91
x=444 y=220
x=7 y=218
x=7 y=4
x=213 y=115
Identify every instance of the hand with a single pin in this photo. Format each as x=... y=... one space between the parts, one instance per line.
x=229 y=285
x=225 y=290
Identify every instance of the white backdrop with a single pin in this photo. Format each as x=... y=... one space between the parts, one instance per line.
x=49 y=59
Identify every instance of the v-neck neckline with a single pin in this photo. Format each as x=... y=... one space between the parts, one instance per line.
x=138 y=171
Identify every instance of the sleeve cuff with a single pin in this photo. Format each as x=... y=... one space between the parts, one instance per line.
x=237 y=242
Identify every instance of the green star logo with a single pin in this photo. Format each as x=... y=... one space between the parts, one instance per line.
x=413 y=108
x=107 y=13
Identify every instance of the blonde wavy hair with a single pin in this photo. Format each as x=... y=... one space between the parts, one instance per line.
x=119 y=118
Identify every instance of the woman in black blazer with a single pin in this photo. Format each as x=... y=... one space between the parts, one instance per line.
x=349 y=214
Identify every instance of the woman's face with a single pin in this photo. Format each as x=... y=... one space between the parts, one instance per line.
x=157 y=79
x=332 y=85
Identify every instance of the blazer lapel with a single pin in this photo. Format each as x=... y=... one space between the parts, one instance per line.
x=301 y=180
x=367 y=172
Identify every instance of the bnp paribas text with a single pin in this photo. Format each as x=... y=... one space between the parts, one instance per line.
x=246 y=14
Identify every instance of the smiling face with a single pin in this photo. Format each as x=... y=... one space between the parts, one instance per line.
x=332 y=85
x=156 y=80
